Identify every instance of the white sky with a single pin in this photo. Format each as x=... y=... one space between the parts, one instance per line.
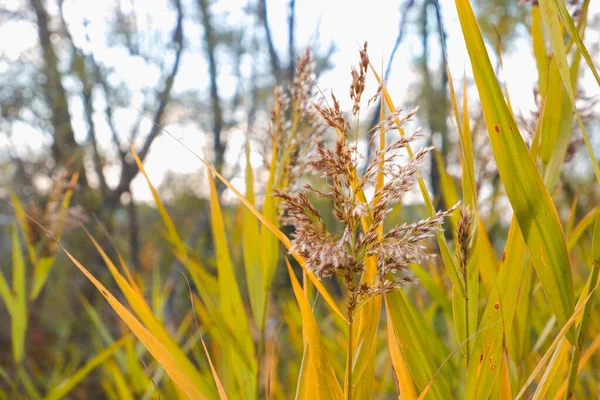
x=346 y=23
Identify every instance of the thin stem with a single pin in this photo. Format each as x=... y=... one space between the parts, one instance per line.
x=575 y=357
x=261 y=350
x=348 y=378
x=467 y=333
x=581 y=331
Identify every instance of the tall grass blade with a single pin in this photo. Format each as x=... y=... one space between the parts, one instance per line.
x=326 y=380
x=531 y=202
x=19 y=314
x=251 y=250
x=415 y=348
x=73 y=380
x=231 y=305
x=550 y=15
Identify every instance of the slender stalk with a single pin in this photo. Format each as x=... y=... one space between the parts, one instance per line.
x=260 y=351
x=585 y=319
x=575 y=357
x=349 y=356
x=467 y=333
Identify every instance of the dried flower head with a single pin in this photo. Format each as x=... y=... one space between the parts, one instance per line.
x=295 y=125
x=357 y=87
x=463 y=237
x=345 y=253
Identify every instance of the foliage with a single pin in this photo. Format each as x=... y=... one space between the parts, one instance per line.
x=467 y=324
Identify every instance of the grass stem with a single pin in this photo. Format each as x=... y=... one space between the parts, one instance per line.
x=349 y=357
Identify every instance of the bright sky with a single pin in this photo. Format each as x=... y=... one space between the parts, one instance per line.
x=346 y=23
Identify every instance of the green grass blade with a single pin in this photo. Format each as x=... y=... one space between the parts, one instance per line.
x=231 y=304
x=415 y=347
x=154 y=345
x=19 y=314
x=75 y=379
x=531 y=202
x=6 y=294
x=251 y=251
x=569 y=25
x=447 y=257
x=269 y=244
x=550 y=15
x=326 y=381
x=486 y=356
x=539 y=48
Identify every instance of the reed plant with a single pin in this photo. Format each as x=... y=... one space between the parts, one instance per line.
x=377 y=306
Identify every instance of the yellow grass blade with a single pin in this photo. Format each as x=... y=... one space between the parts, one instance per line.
x=557 y=363
x=416 y=347
x=551 y=112
x=326 y=380
x=122 y=388
x=582 y=226
x=585 y=358
x=561 y=335
x=447 y=257
x=154 y=346
x=449 y=192
x=369 y=315
x=280 y=235
x=231 y=304
x=19 y=314
x=251 y=251
x=72 y=381
x=269 y=248
x=550 y=11
x=156 y=328
x=6 y=294
x=569 y=25
x=407 y=390
x=531 y=202
x=554 y=166
x=539 y=48
x=221 y=390
x=22 y=220
x=496 y=321
x=505 y=388
x=301 y=386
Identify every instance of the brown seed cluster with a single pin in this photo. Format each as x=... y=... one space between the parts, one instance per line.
x=295 y=125
x=463 y=238
x=344 y=254
x=357 y=87
x=53 y=215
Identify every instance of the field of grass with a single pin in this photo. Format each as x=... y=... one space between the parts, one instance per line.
x=377 y=306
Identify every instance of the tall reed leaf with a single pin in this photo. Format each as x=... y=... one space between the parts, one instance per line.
x=531 y=202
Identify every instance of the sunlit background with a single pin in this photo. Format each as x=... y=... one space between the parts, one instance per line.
x=126 y=51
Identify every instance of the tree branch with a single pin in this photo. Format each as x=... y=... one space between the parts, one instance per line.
x=273 y=57
x=210 y=41
x=129 y=170
x=291 y=40
x=64 y=148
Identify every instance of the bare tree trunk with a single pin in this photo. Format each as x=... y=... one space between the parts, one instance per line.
x=64 y=148
x=388 y=70
x=273 y=57
x=291 y=40
x=210 y=41
x=435 y=99
x=443 y=106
